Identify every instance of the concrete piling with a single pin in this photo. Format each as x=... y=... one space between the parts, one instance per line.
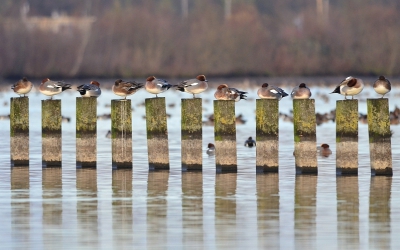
x=191 y=131
x=347 y=137
x=380 y=148
x=157 y=134
x=51 y=133
x=225 y=136
x=121 y=133
x=86 y=132
x=305 y=148
x=19 y=131
x=267 y=134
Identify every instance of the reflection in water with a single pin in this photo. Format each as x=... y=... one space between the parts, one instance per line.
x=225 y=210
x=305 y=211
x=122 y=206
x=20 y=205
x=379 y=212
x=347 y=211
x=86 y=185
x=192 y=209
x=157 y=186
x=268 y=210
x=52 y=205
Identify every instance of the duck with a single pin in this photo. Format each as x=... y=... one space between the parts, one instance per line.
x=382 y=86
x=156 y=86
x=270 y=92
x=124 y=88
x=301 y=92
x=90 y=90
x=108 y=134
x=22 y=87
x=250 y=142
x=193 y=86
x=225 y=93
x=51 y=88
x=349 y=87
x=210 y=149
x=324 y=150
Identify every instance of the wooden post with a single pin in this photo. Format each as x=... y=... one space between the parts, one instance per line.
x=305 y=147
x=267 y=134
x=121 y=133
x=157 y=133
x=347 y=137
x=225 y=136
x=51 y=133
x=192 y=152
x=19 y=131
x=86 y=132
x=380 y=148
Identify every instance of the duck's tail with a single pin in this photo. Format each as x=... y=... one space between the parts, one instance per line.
x=337 y=90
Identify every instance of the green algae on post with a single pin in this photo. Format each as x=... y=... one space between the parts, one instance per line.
x=19 y=131
x=121 y=133
x=51 y=133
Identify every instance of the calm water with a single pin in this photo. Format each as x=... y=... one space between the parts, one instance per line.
x=104 y=208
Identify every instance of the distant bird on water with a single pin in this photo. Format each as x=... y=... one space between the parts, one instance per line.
x=250 y=142
x=324 y=150
x=22 y=87
x=225 y=93
x=210 y=149
x=156 y=86
x=123 y=88
x=50 y=88
x=349 y=87
x=301 y=92
x=270 y=92
x=382 y=86
x=90 y=90
x=193 y=86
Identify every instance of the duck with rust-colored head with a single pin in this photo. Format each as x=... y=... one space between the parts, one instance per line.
x=156 y=86
x=301 y=92
x=225 y=93
x=51 y=88
x=193 y=86
x=22 y=87
x=90 y=90
x=210 y=149
x=324 y=150
x=349 y=87
x=270 y=92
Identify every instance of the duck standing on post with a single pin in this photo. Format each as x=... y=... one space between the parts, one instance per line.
x=193 y=86
x=350 y=86
x=382 y=86
x=156 y=86
x=270 y=92
x=301 y=92
x=123 y=88
x=225 y=93
x=50 y=88
x=90 y=90
x=22 y=87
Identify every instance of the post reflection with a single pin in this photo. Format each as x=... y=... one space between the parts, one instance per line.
x=268 y=210
x=157 y=187
x=192 y=209
x=379 y=212
x=52 y=204
x=347 y=211
x=305 y=211
x=20 y=205
x=225 y=209
x=87 y=217
x=122 y=206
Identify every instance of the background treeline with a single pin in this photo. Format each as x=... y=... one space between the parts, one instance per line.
x=133 y=38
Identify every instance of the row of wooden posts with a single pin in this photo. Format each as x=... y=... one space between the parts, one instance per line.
x=267 y=134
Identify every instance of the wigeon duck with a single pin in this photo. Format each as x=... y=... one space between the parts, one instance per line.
x=250 y=142
x=210 y=149
x=193 y=86
x=22 y=87
x=50 y=88
x=225 y=93
x=349 y=86
x=156 y=86
x=301 y=92
x=90 y=90
x=382 y=86
x=270 y=92
x=123 y=88
x=324 y=150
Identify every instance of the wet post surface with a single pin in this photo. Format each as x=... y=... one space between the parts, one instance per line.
x=121 y=133
x=86 y=132
x=19 y=131
x=157 y=133
x=267 y=135
x=347 y=137
x=192 y=153
x=51 y=133
x=225 y=136
x=305 y=147
x=380 y=146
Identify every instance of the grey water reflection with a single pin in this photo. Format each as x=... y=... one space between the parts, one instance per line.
x=347 y=211
x=20 y=204
x=225 y=210
x=268 y=210
x=379 y=212
x=122 y=206
x=305 y=196
x=87 y=215
x=192 y=209
x=157 y=186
